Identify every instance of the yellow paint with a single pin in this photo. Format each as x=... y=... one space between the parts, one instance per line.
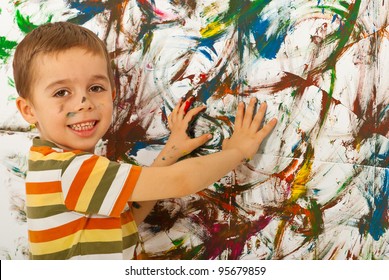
x=300 y=181
x=214 y=28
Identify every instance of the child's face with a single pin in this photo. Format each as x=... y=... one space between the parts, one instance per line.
x=71 y=98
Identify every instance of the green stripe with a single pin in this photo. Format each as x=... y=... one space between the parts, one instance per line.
x=83 y=249
x=130 y=240
x=38 y=142
x=103 y=187
x=43 y=165
x=45 y=211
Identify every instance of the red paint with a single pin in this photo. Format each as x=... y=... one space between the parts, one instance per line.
x=188 y=104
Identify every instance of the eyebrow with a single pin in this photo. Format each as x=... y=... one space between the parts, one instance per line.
x=97 y=77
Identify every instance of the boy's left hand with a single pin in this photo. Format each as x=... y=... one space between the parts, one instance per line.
x=179 y=143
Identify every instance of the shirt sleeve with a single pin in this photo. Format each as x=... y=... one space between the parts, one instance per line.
x=95 y=185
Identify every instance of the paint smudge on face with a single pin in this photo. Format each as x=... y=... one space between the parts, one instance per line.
x=70 y=114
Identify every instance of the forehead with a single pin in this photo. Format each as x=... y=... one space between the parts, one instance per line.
x=74 y=53
x=71 y=62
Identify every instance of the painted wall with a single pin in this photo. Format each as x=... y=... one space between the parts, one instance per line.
x=318 y=187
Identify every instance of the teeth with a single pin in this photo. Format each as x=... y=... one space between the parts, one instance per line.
x=83 y=126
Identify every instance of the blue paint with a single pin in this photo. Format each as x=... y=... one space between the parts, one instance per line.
x=70 y=114
x=383 y=113
x=379 y=221
x=86 y=10
x=147 y=145
x=267 y=47
x=382 y=157
x=206 y=53
x=294 y=147
x=206 y=45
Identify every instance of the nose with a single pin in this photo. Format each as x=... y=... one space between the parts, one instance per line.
x=85 y=104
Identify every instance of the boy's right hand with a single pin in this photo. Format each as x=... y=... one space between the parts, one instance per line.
x=248 y=135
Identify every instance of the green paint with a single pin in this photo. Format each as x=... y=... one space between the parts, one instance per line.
x=70 y=114
x=147 y=40
x=294 y=93
x=11 y=82
x=178 y=242
x=343 y=35
x=12 y=98
x=219 y=188
x=24 y=23
x=316 y=218
x=5 y=48
x=238 y=11
x=329 y=99
x=193 y=253
x=345 y=184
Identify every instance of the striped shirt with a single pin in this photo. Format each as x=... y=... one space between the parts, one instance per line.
x=77 y=205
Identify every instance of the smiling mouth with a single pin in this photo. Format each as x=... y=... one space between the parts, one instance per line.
x=83 y=126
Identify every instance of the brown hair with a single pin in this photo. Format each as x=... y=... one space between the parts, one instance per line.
x=53 y=38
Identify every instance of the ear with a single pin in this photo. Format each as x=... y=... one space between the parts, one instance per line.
x=113 y=94
x=26 y=108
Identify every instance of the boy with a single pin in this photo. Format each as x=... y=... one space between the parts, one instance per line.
x=77 y=201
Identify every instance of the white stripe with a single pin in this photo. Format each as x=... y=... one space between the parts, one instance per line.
x=114 y=256
x=58 y=220
x=115 y=189
x=71 y=172
x=130 y=253
x=53 y=221
x=43 y=176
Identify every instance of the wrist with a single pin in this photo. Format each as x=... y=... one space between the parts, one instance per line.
x=239 y=154
x=168 y=156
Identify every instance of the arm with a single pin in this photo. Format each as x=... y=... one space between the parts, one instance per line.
x=178 y=141
x=192 y=175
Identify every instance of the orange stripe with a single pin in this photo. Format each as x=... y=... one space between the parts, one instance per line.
x=127 y=190
x=57 y=232
x=79 y=182
x=44 y=150
x=43 y=187
x=103 y=223
x=73 y=227
x=126 y=217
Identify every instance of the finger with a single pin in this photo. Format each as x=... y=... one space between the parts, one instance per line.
x=248 y=116
x=239 y=116
x=185 y=107
x=257 y=121
x=267 y=128
x=188 y=103
x=169 y=122
x=193 y=112
x=199 y=141
x=173 y=115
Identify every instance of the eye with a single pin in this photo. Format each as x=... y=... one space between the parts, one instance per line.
x=96 y=88
x=61 y=93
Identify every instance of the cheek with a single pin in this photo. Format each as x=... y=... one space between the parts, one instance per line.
x=106 y=107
